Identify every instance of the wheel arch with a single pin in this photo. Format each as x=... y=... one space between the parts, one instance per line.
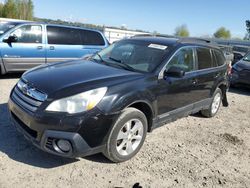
x=145 y=108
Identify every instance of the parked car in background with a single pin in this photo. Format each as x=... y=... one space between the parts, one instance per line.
x=228 y=52
x=237 y=56
x=24 y=45
x=241 y=71
x=239 y=52
x=109 y=103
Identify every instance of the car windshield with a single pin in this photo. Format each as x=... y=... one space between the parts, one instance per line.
x=247 y=57
x=6 y=26
x=133 y=55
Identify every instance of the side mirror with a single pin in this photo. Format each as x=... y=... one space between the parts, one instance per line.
x=174 y=72
x=11 y=39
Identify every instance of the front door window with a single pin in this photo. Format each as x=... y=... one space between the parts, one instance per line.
x=28 y=34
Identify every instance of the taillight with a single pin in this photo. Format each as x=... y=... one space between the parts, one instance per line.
x=229 y=68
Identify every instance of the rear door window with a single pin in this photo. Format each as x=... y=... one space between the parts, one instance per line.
x=204 y=58
x=63 y=35
x=91 y=38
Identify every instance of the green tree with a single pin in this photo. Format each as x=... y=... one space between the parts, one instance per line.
x=25 y=9
x=222 y=32
x=9 y=9
x=19 y=9
x=181 y=31
x=1 y=9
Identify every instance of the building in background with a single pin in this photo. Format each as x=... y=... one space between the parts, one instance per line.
x=117 y=34
x=12 y=20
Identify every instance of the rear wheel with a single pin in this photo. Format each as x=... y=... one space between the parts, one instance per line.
x=127 y=136
x=215 y=104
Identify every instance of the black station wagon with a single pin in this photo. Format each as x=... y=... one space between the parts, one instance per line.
x=108 y=103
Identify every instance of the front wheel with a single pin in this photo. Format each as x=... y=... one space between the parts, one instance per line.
x=127 y=135
x=215 y=104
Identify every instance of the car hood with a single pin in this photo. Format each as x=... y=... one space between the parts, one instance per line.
x=76 y=76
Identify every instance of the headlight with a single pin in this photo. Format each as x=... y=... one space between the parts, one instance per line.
x=78 y=103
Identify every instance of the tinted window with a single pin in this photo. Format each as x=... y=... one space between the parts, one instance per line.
x=63 y=35
x=28 y=34
x=91 y=38
x=219 y=57
x=204 y=58
x=184 y=59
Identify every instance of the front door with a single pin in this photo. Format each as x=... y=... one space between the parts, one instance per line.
x=178 y=94
x=27 y=52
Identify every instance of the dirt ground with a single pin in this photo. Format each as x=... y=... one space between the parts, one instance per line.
x=190 y=152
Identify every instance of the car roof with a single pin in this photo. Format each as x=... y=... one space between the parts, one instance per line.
x=157 y=40
x=169 y=40
x=58 y=25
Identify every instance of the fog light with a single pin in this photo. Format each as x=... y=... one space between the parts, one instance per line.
x=64 y=145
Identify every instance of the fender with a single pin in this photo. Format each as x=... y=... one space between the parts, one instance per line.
x=116 y=104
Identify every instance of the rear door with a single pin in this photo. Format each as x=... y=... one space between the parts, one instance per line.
x=28 y=51
x=207 y=73
x=92 y=41
x=63 y=44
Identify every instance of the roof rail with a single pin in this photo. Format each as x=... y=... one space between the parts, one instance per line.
x=181 y=39
x=196 y=39
x=154 y=35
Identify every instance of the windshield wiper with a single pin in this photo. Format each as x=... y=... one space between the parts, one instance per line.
x=96 y=60
x=123 y=65
x=100 y=57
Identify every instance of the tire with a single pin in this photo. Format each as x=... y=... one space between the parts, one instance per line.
x=215 y=104
x=131 y=127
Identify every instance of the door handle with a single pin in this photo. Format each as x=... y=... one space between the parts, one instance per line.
x=51 y=47
x=217 y=75
x=39 y=47
x=194 y=81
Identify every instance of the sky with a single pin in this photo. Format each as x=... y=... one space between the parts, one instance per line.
x=201 y=17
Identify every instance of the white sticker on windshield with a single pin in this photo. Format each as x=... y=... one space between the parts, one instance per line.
x=157 y=46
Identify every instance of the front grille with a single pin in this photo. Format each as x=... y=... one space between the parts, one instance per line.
x=25 y=101
x=30 y=131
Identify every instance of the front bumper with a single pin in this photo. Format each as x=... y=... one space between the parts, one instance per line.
x=87 y=135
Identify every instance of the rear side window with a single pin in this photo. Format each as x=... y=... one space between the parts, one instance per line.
x=204 y=58
x=91 y=38
x=63 y=35
x=219 y=57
